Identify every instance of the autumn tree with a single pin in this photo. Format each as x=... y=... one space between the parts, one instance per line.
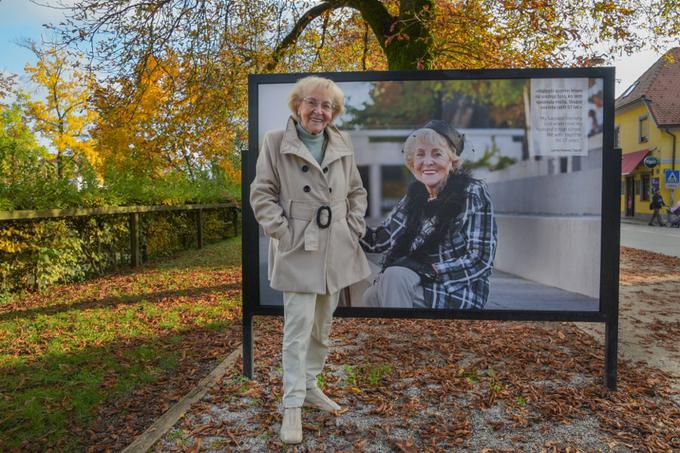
x=7 y=82
x=214 y=44
x=27 y=177
x=64 y=116
x=463 y=103
x=333 y=35
x=163 y=122
x=173 y=88
x=422 y=34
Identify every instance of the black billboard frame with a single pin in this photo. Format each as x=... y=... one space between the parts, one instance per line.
x=608 y=312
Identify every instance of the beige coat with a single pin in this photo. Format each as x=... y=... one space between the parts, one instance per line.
x=289 y=188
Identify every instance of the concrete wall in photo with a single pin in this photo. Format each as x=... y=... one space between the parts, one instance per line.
x=549 y=225
x=559 y=251
x=578 y=193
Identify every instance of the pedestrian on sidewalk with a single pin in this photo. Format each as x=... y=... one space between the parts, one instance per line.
x=656 y=204
x=308 y=197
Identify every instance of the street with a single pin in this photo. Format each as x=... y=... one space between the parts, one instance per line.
x=651 y=238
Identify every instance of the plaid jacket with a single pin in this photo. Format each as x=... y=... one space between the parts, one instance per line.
x=462 y=262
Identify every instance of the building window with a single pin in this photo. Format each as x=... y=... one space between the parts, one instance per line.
x=395 y=180
x=643 y=128
x=564 y=164
x=644 y=196
x=637 y=187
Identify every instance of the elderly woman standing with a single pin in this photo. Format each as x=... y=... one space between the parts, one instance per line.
x=309 y=199
x=440 y=239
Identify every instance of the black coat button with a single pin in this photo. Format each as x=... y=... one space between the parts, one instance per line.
x=330 y=189
x=306 y=188
x=305 y=168
x=325 y=169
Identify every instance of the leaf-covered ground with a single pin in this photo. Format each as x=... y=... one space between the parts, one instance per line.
x=421 y=385
x=90 y=366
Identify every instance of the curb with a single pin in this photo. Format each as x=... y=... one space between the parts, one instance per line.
x=145 y=441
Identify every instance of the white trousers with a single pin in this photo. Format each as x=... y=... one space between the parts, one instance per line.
x=306 y=327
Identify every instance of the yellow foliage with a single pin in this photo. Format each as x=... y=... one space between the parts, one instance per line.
x=65 y=115
x=232 y=172
x=13 y=240
x=167 y=120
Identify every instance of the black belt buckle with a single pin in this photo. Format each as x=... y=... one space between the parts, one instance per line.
x=318 y=217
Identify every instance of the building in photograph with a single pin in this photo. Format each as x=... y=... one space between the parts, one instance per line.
x=647 y=131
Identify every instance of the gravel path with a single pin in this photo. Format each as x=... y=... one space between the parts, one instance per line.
x=423 y=385
x=444 y=386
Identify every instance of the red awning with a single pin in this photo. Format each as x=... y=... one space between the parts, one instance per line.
x=632 y=160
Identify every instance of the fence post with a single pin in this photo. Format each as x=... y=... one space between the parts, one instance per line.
x=199 y=228
x=133 y=223
x=234 y=219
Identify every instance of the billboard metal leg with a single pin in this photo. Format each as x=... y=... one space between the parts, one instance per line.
x=611 y=340
x=248 y=345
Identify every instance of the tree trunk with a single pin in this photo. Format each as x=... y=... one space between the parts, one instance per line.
x=405 y=39
x=410 y=48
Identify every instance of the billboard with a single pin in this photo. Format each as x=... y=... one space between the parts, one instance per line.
x=525 y=229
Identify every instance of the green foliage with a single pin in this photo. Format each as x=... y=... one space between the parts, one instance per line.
x=367 y=374
x=491 y=159
x=464 y=103
x=321 y=381
x=37 y=254
x=471 y=376
x=29 y=177
x=171 y=189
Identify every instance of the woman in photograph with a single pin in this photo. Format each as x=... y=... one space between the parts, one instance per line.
x=308 y=197
x=439 y=241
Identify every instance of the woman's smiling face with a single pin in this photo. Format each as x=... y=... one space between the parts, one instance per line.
x=316 y=110
x=431 y=165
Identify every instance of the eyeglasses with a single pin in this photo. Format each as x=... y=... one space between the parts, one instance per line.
x=313 y=103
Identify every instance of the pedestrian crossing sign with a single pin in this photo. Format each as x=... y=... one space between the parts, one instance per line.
x=672 y=178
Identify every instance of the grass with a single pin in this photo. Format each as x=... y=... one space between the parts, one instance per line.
x=72 y=349
x=366 y=374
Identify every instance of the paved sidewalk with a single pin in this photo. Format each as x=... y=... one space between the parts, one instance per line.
x=651 y=238
x=649 y=311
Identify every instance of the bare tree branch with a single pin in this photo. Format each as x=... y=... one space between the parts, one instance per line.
x=373 y=11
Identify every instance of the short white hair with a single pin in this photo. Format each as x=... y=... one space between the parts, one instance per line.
x=309 y=83
x=430 y=137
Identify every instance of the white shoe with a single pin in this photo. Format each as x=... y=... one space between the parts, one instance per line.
x=291 y=426
x=316 y=398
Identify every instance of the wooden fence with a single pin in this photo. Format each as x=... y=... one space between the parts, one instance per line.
x=231 y=211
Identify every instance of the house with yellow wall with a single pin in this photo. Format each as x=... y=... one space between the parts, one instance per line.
x=648 y=130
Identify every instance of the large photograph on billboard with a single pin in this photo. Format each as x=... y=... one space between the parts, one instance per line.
x=519 y=225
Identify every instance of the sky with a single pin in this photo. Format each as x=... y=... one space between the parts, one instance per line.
x=22 y=19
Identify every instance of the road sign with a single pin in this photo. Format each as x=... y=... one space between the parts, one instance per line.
x=672 y=178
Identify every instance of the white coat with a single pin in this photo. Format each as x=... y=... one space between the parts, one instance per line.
x=289 y=189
